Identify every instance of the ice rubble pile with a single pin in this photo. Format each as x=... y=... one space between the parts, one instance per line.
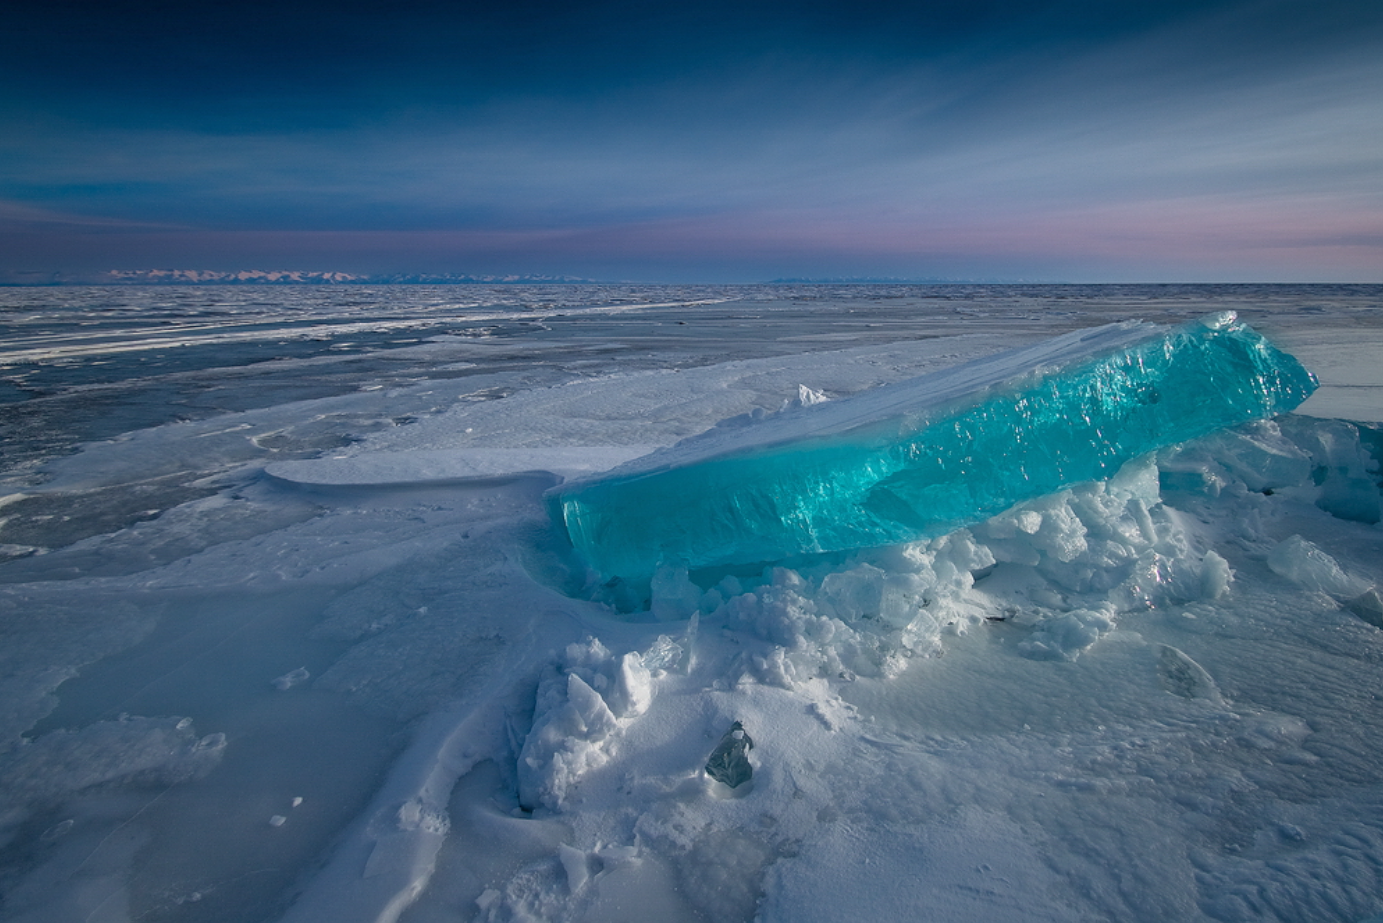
x=923 y=457
x=1061 y=572
x=1061 y=568
x=580 y=707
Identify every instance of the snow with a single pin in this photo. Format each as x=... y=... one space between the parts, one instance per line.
x=374 y=684
x=441 y=465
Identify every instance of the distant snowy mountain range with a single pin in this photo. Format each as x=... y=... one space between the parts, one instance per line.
x=888 y=280
x=265 y=277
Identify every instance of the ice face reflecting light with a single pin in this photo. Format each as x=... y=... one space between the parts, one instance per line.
x=925 y=456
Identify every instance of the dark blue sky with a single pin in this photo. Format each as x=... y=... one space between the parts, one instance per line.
x=712 y=141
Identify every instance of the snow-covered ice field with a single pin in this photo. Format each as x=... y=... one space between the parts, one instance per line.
x=286 y=632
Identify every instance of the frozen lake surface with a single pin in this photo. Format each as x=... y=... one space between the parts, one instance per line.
x=286 y=632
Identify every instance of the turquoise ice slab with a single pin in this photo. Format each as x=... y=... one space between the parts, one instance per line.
x=922 y=457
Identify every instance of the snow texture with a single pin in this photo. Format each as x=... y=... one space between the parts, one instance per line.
x=262 y=663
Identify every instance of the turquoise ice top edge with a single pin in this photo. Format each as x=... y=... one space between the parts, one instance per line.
x=925 y=456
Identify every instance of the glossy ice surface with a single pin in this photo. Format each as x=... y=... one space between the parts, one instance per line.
x=922 y=457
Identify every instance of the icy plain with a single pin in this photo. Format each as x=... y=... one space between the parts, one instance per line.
x=288 y=634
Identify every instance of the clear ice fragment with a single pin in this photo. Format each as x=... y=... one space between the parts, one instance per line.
x=1368 y=605
x=729 y=762
x=663 y=654
x=1306 y=564
x=923 y=457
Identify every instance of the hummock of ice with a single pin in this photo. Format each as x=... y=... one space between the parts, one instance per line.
x=1060 y=569
x=923 y=457
x=578 y=709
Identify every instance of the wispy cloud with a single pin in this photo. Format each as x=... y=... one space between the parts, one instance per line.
x=1006 y=135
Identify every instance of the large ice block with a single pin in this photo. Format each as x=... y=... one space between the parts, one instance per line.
x=922 y=457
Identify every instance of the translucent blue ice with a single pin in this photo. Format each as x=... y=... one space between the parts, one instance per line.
x=922 y=457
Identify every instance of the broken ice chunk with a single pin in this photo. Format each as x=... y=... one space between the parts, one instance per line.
x=289 y=680
x=922 y=457
x=1184 y=677
x=577 y=866
x=1368 y=605
x=729 y=762
x=663 y=654
x=1065 y=636
x=1307 y=565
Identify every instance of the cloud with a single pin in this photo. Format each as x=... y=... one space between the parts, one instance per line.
x=17 y=217
x=796 y=130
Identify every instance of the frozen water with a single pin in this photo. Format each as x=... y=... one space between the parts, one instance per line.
x=1302 y=562
x=579 y=707
x=1103 y=703
x=924 y=457
x=1184 y=677
x=729 y=763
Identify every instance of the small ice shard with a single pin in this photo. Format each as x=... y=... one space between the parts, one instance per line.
x=923 y=457
x=212 y=742
x=663 y=654
x=289 y=680
x=1184 y=677
x=278 y=820
x=576 y=865
x=1368 y=605
x=1216 y=576
x=1066 y=636
x=1306 y=564
x=616 y=856
x=729 y=762
x=632 y=691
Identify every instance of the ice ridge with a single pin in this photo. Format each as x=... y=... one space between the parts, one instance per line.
x=922 y=457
